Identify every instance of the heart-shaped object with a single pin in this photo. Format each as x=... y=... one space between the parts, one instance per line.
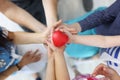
x=59 y=38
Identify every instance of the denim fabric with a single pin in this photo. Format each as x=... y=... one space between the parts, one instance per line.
x=6 y=58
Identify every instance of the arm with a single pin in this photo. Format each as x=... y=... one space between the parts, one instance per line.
x=101 y=17
x=97 y=40
x=50 y=7
x=20 y=16
x=50 y=73
x=61 y=71
x=27 y=38
x=61 y=67
x=28 y=58
x=8 y=72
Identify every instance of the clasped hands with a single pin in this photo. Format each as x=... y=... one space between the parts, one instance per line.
x=68 y=30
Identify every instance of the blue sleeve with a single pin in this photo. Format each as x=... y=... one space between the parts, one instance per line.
x=4 y=59
x=101 y=17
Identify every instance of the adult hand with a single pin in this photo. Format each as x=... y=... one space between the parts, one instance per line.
x=106 y=71
x=70 y=35
x=73 y=28
x=30 y=57
x=47 y=32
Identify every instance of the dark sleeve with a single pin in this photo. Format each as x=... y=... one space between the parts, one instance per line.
x=101 y=17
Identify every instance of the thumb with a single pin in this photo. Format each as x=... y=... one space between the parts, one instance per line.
x=68 y=34
x=57 y=24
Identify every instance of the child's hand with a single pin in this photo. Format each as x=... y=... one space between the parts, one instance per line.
x=47 y=32
x=30 y=57
x=106 y=71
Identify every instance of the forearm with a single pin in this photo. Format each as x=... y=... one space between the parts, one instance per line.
x=61 y=67
x=106 y=16
x=50 y=7
x=20 y=16
x=8 y=72
x=50 y=73
x=116 y=77
x=27 y=38
x=97 y=40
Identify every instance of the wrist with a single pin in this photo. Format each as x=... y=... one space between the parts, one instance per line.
x=50 y=58
x=115 y=77
x=18 y=66
x=43 y=38
x=77 y=26
x=58 y=53
x=73 y=39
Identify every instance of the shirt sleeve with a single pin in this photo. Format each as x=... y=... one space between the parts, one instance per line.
x=101 y=17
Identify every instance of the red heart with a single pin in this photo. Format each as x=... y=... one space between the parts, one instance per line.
x=59 y=38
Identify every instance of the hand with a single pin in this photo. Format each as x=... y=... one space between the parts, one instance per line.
x=73 y=28
x=70 y=35
x=52 y=49
x=106 y=71
x=47 y=32
x=30 y=57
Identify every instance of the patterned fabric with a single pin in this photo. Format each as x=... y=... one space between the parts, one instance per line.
x=113 y=52
x=8 y=57
x=106 y=21
x=112 y=57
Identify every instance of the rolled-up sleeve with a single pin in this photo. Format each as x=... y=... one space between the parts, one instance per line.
x=101 y=17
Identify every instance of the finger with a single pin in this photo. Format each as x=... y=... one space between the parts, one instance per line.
x=27 y=53
x=32 y=54
x=58 y=28
x=35 y=52
x=50 y=45
x=98 y=69
x=49 y=50
x=62 y=26
x=68 y=33
x=36 y=58
x=108 y=70
x=57 y=24
x=73 y=32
